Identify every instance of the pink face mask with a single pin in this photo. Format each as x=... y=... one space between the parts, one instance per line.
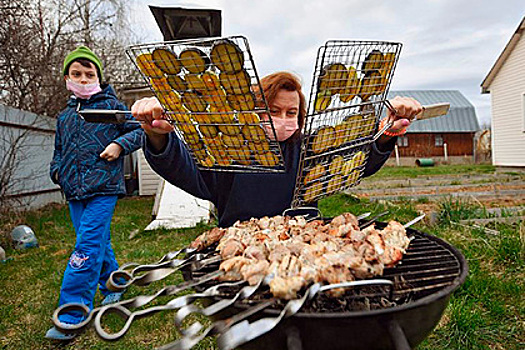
x=284 y=128
x=84 y=91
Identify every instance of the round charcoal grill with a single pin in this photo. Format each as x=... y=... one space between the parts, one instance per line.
x=430 y=271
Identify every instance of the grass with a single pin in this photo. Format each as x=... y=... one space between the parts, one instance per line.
x=412 y=172
x=487 y=312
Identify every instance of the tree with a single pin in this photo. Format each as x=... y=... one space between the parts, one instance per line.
x=36 y=35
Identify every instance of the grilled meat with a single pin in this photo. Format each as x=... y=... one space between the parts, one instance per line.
x=297 y=253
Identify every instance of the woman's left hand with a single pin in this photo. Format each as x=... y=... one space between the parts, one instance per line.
x=112 y=152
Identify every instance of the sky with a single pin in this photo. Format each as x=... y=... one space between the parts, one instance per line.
x=447 y=44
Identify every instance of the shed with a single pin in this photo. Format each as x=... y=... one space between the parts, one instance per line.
x=506 y=84
x=451 y=134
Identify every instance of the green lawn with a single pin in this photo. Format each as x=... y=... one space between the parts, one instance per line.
x=486 y=313
x=412 y=172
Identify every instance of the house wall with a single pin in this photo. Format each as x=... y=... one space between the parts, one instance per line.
x=424 y=145
x=148 y=180
x=27 y=142
x=508 y=111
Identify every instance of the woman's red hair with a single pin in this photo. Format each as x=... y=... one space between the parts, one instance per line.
x=272 y=83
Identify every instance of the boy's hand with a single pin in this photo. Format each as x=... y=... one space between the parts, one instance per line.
x=112 y=152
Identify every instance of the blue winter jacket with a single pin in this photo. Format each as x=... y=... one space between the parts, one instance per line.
x=76 y=165
x=239 y=196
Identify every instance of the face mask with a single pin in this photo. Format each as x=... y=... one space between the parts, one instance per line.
x=284 y=128
x=84 y=91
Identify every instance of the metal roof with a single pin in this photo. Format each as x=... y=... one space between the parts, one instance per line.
x=460 y=118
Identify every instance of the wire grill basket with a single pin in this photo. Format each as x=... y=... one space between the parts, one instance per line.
x=210 y=91
x=349 y=86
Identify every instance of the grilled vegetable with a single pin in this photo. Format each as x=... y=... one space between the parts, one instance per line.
x=192 y=139
x=340 y=134
x=188 y=128
x=240 y=155
x=253 y=133
x=237 y=83
x=177 y=83
x=227 y=56
x=322 y=100
x=208 y=130
x=352 y=179
x=368 y=125
x=359 y=159
x=147 y=66
x=160 y=85
x=372 y=83
x=313 y=191
x=323 y=139
x=354 y=127
x=166 y=60
x=170 y=101
x=248 y=118
x=351 y=88
x=235 y=141
x=389 y=60
x=217 y=99
x=373 y=61
x=335 y=184
x=194 y=60
x=259 y=147
x=211 y=80
x=207 y=161
x=245 y=102
x=226 y=123
x=333 y=78
x=348 y=166
x=213 y=142
x=196 y=83
x=314 y=173
x=199 y=151
x=267 y=159
x=181 y=116
x=221 y=156
x=336 y=165
x=193 y=101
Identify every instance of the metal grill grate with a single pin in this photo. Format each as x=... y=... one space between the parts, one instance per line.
x=350 y=83
x=428 y=267
x=210 y=91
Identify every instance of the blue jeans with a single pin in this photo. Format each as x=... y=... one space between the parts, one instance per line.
x=93 y=259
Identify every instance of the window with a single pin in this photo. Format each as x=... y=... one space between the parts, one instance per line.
x=402 y=141
x=439 y=140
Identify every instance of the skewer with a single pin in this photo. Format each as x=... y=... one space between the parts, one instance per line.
x=412 y=222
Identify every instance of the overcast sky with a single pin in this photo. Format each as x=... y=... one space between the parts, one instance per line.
x=447 y=44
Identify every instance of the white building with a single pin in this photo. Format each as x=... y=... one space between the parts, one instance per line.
x=506 y=84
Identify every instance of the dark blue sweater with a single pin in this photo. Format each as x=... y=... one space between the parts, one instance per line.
x=238 y=196
x=76 y=161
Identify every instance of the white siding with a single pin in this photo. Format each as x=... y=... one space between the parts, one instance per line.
x=148 y=179
x=506 y=90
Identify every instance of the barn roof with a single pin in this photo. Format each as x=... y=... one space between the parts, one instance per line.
x=460 y=118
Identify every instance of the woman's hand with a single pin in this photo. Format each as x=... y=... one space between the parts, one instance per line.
x=406 y=110
x=156 y=128
x=112 y=152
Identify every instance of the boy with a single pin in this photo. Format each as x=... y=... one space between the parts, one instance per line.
x=88 y=166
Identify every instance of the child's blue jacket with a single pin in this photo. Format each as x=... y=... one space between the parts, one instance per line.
x=76 y=165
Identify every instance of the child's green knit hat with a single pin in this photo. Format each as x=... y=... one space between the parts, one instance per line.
x=83 y=52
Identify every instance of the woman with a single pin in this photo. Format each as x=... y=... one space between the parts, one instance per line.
x=241 y=196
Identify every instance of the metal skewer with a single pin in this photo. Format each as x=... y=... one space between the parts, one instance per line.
x=412 y=222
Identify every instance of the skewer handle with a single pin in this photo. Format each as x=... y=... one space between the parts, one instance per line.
x=106 y=116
